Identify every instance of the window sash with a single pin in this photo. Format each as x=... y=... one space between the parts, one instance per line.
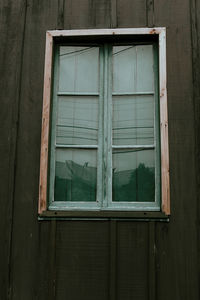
x=105 y=147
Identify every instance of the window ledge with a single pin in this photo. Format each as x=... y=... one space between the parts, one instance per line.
x=104 y=215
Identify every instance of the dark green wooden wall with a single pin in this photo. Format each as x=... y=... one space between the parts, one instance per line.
x=110 y=259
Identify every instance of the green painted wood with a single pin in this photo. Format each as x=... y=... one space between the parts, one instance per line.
x=116 y=64
x=158 y=196
x=100 y=176
x=52 y=158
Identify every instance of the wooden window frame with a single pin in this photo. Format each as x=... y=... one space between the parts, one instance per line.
x=52 y=36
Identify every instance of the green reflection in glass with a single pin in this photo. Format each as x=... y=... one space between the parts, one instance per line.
x=133 y=176
x=75 y=176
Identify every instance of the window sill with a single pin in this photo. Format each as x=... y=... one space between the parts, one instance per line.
x=104 y=215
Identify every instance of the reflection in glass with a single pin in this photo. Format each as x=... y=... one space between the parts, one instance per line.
x=77 y=120
x=75 y=175
x=133 y=69
x=79 y=69
x=133 y=120
x=133 y=175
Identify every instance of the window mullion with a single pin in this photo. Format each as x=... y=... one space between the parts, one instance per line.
x=101 y=130
x=107 y=155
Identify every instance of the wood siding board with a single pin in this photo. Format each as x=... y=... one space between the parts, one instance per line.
x=82 y=260
x=52 y=261
x=60 y=20
x=25 y=237
x=150 y=13
x=81 y=249
x=176 y=241
x=113 y=13
x=12 y=16
x=113 y=260
x=94 y=14
x=131 y=13
x=195 y=27
x=195 y=35
x=132 y=261
x=152 y=261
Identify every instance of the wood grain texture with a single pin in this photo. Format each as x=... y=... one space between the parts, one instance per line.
x=195 y=34
x=176 y=242
x=12 y=16
x=42 y=206
x=165 y=190
x=25 y=283
x=82 y=260
x=131 y=13
x=72 y=259
x=82 y=14
x=132 y=261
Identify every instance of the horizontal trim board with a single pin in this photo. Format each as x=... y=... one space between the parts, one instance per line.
x=114 y=31
x=106 y=214
x=133 y=219
x=84 y=206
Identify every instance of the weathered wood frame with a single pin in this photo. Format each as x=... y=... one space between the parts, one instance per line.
x=50 y=35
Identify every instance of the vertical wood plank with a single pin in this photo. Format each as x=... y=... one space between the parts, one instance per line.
x=113 y=259
x=60 y=21
x=87 y=14
x=12 y=16
x=132 y=258
x=177 y=241
x=26 y=230
x=195 y=35
x=131 y=13
x=82 y=260
x=52 y=261
x=150 y=13
x=152 y=262
x=113 y=13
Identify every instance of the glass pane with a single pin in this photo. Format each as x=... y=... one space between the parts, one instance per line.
x=133 y=69
x=79 y=69
x=77 y=120
x=133 y=175
x=75 y=175
x=133 y=120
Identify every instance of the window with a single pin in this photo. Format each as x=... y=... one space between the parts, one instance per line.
x=105 y=132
